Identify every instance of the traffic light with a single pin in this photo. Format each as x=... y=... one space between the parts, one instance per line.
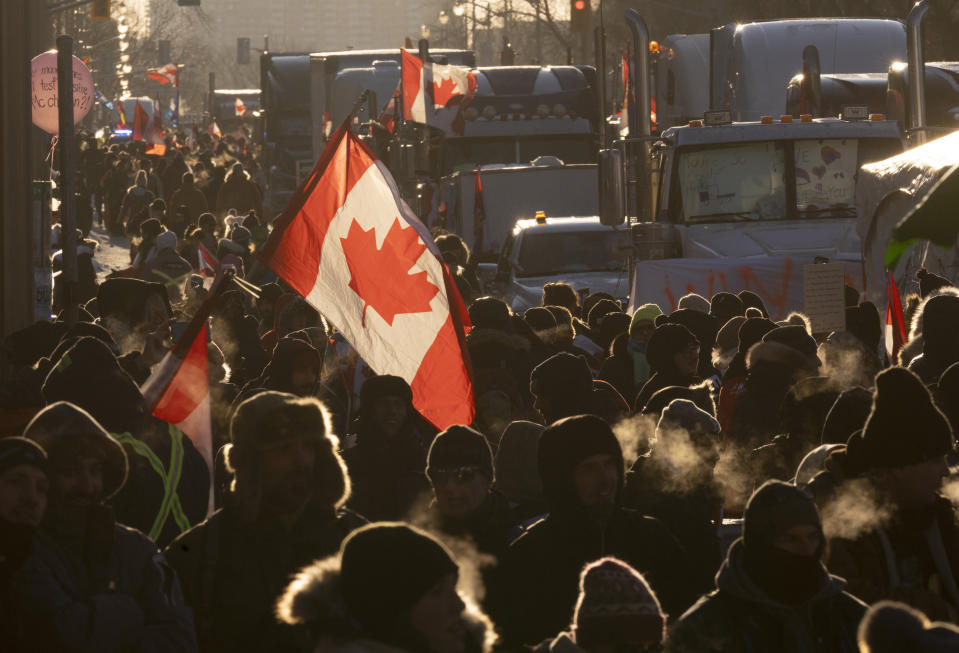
x=243 y=50
x=579 y=16
x=163 y=52
x=100 y=10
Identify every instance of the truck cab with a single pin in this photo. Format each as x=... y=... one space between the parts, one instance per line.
x=578 y=250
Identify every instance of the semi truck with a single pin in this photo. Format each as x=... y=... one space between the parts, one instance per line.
x=732 y=205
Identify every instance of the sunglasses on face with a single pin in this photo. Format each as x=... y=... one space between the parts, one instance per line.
x=454 y=475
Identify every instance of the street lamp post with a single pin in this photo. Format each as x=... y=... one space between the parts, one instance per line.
x=444 y=19
x=459 y=10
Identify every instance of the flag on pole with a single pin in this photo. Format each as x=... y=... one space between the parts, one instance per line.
x=479 y=212
x=167 y=74
x=213 y=129
x=170 y=112
x=352 y=247
x=208 y=262
x=388 y=116
x=178 y=390
x=327 y=126
x=140 y=122
x=240 y=108
x=895 y=320
x=435 y=94
x=154 y=131
x=122 y=122
x=624 y=115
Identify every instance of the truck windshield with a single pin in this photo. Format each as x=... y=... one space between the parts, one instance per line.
x=778 y=180
x=561 y=252
x=463 y=154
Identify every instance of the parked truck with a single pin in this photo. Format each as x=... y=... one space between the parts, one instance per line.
x=724 y=205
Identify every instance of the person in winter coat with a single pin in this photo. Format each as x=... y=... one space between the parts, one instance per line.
x=562 y=386
x=785 y=355
x=616 y=611
x=391 y=589
x=581 y=465
x=516 y=475
x=673 y=355
x=167 y=267
x=773 y=594
x=891 y=627
x=908 y=547
x=294 y=368
x=173 y=176
x=23 y=501
x=674 y=483
x=192 y=198
x=465 y=505
x=168 y=485
x=285 y=508
x=238 y=192
x=388 y=457
x=733 y=385
x=91 y=583
x=940 y=347
x=136 y=200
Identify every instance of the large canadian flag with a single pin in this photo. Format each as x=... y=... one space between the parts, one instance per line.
x=434 y=94
x=351 y=246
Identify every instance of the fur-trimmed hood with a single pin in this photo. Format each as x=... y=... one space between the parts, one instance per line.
x=479 y=337
x=315 y=599
x=777 y=353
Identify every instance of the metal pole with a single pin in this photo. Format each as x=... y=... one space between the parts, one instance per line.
x=65 y=141
x=599 y=36
x=916 y=100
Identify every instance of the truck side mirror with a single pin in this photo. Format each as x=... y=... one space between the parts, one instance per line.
x=611 y=192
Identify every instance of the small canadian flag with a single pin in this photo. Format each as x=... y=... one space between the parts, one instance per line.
x=357 y=253
x=208 y=262
x=178 y=390
x=435 y=94
x=240 y=108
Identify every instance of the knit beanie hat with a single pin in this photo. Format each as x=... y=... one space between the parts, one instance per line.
x=805 y=407
x=616 y=604
x=459 y=446
x=847 y=415
x=565 y=444
x=724 y=306
x=728 y=337
x=929 y=282
x=490 y=313
x=940 y=324
x=517 y=475
x=126 y=297
x=797 y=338
x=384 y=385
x=694 y=302
x=385 y=569
x=752 y=331
x=863 y=322
x=539 y=319
x=904 y=426
x=64 y=430
x=646 y=312
x=599 y=309
x=891 y=627
x=562 y=375
x=772 y=509
x=751 y=299
x=684 y=414
x=667 y=341
x=698 y=394
x=16 y=451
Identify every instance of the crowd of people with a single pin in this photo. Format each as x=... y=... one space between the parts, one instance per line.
x=698 y=479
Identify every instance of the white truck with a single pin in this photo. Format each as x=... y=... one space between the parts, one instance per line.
x=510 y=192
x=579 y=250
x=730 y=206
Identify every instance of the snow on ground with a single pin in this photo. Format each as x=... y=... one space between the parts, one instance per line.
x=113 y=252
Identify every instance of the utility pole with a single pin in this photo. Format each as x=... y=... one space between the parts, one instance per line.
x=67 y=181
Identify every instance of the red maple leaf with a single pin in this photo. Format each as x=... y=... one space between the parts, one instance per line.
x=381 y=276
x=444 y=92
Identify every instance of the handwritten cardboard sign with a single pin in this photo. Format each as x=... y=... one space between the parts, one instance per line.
x=824 y=296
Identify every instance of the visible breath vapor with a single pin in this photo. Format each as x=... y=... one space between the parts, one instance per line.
x=856 y=509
